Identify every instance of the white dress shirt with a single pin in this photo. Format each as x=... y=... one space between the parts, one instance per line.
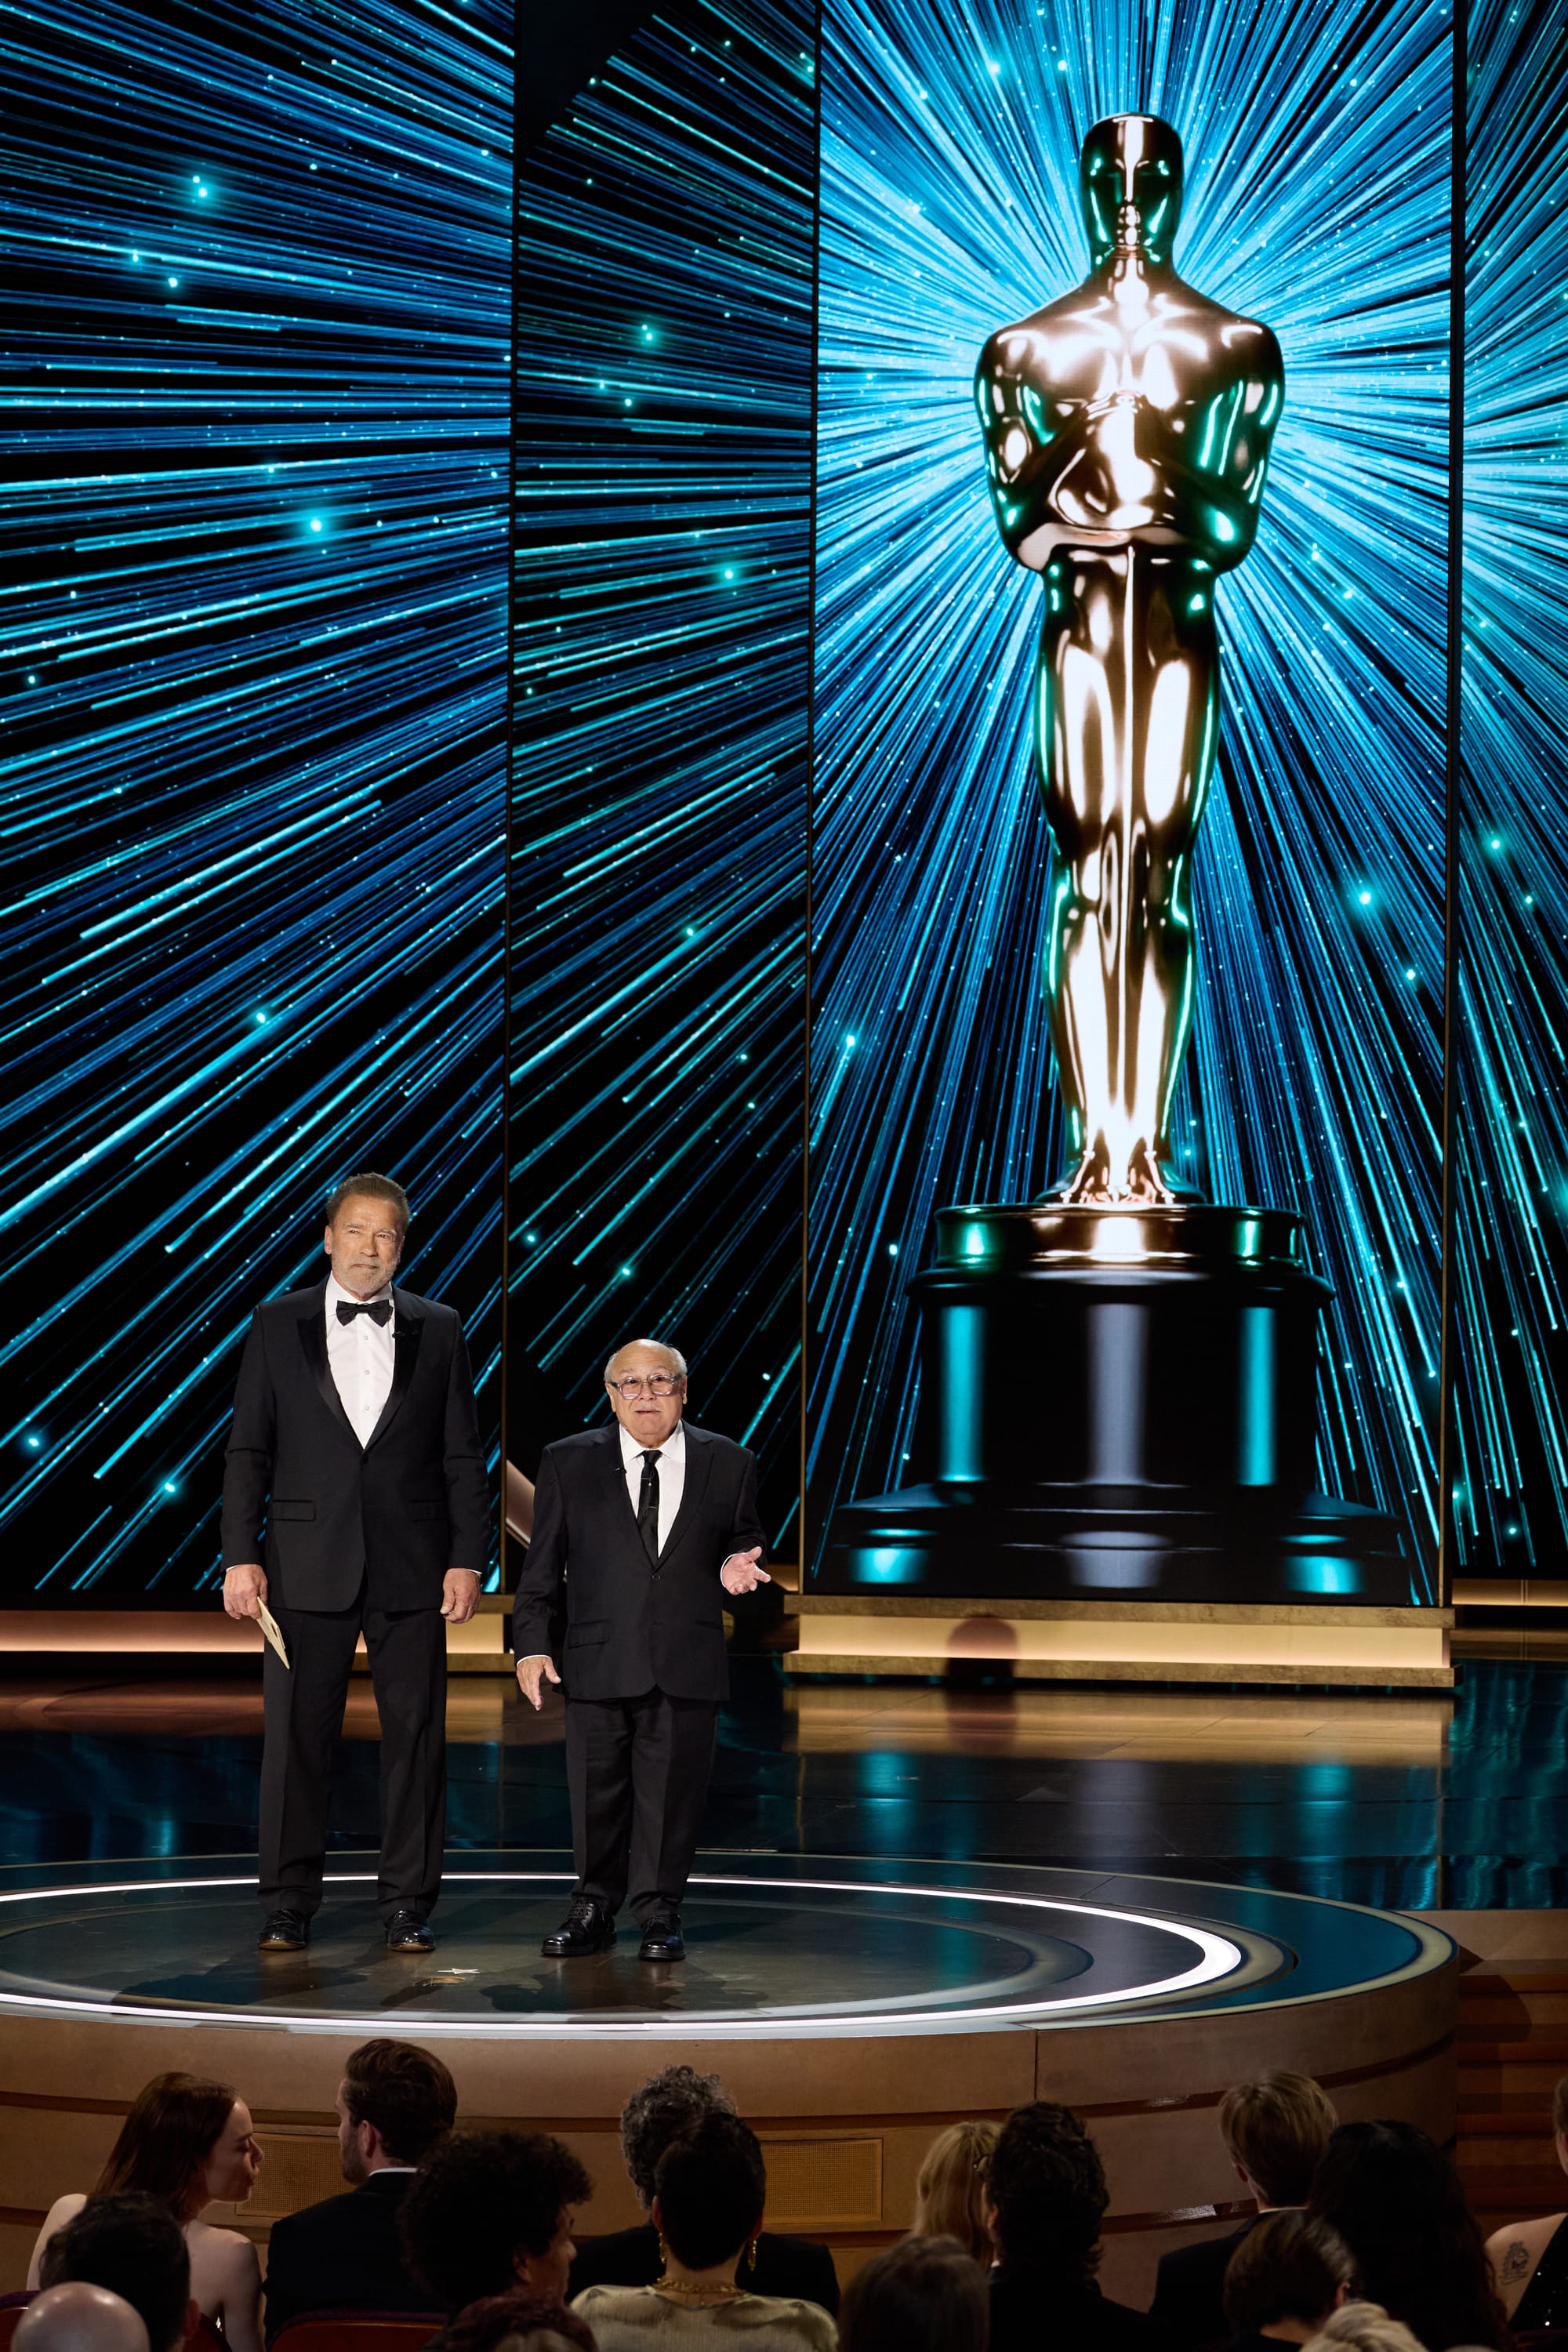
x=361 y=1354
x=671 y=1476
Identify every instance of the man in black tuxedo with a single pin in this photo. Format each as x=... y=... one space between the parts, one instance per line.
x=355 y=1440
x=1275 y=2130
x=395 y=2102
x=656 y=1521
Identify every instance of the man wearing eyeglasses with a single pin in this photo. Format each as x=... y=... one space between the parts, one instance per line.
x=650 y=1522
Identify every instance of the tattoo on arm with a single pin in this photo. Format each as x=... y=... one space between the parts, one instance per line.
x=1516 y=2262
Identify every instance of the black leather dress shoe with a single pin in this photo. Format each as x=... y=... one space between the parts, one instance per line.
x=284 y=1931
x=662 y=1940
x=407 y=1932
x=587 y=1927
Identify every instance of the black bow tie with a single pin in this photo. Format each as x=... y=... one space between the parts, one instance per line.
x=378 y=1310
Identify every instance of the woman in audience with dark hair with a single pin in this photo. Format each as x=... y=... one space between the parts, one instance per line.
x=188 y=2142
x=1285 y=2281
x=924 y=2294
x=517 y=2322
x=1396 y=2200
x=1530 y=2259
x=489 y=2214
x=708 y=2193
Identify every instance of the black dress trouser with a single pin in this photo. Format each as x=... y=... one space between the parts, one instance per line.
x=302 y=1715
x=637 y=1770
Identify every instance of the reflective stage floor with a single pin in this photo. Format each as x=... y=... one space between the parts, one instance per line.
x=1410 y=1801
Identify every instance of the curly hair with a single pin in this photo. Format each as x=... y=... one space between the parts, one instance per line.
x=1396 y=2200
x=498 y=2319
x=1363 y=2327
x=660 y=2112
x=1047 y=2185
x=479 y=2199
x=711 y=2187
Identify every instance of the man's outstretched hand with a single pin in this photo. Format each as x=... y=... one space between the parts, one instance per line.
x=532 y=1675
x=243 y=1589
x=740 y=1573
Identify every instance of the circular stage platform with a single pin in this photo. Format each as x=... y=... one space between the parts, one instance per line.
x=853 y=2008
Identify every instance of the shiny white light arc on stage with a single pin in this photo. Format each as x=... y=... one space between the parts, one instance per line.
x=1217 y=1957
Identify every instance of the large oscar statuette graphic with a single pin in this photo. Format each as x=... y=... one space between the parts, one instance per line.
x=1119 y=1382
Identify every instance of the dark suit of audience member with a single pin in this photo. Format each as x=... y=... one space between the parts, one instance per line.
x=362 y=1526
x=1188 y=2308
x=1030 y=2313
x=343 y=2254
x=791 y=2267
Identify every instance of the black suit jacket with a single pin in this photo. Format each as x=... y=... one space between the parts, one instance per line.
x=632 y=1627
x=341 y=2255
x=787 y=2266
x=1189 y=2291
x=1030 y=2313
x=399 y=1511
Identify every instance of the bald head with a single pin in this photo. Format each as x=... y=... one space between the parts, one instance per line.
x=75 y=2318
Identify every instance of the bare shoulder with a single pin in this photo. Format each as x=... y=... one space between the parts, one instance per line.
x=1515 y=2250
x=221 y=2254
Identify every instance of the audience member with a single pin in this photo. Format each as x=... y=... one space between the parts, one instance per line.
x=189 y=2142
x=664 y=2108
x=951 y=2192
x=1396 y=2200
x=708 y=2193
x=1274 y=2132
x=1048 y=2196
x=1363 y=2327
x=76 y=2318
x=131 y=2246
x=1286 y=2279
x=395 y=2102
x=1530 y=2259
x=488 y=2212
x=927 y=2293
x=517 y=2322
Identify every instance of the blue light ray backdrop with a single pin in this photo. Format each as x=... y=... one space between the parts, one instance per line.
x=256 y=297
x=663 y=425
x=1318 y=199
x=1509 y=1490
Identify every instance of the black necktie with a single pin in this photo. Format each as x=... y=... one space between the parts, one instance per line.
x=647 y=1505
x=378 y=1310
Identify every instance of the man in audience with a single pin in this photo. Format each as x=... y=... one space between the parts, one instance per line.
x=1274 y=2132
x=1048 y=2197
x=1285 y=2279
x=130 y=2245
x=76 y=2318
x=666 y=2106
x=491 y=2210
x=395 y=2102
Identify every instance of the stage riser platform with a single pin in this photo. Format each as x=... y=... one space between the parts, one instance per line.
x=844 y=2122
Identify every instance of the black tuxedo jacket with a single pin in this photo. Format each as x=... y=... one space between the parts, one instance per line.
x=633 y=1627
x=399 y=1511
x=1189 y=2291
x=794 y=2267
x=341 y=2255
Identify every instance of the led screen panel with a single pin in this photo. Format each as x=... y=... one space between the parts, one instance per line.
x=257 y=294
x=1318 y=199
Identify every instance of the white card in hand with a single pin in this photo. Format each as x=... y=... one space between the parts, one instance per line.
x=269 y=1624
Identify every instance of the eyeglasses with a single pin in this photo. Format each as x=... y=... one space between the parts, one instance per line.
x=657 y=1384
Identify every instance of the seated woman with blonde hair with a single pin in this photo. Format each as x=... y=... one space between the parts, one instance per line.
x=708 y=2193
x=1363 y=2327
x=189 y=2143
x=950 y=2194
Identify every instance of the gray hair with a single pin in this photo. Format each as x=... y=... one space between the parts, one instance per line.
x=657 y=2115
x=677 y=1361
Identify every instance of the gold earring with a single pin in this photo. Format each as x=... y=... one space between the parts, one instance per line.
x=751 y=2255
x=663 y=2253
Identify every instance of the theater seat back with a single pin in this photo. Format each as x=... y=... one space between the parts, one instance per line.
x=356 y=2331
